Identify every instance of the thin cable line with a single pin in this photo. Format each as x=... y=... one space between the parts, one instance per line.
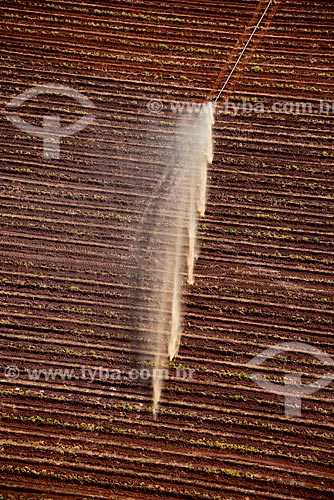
x=243 y=51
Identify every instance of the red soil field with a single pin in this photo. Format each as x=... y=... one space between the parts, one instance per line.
x=70 y=229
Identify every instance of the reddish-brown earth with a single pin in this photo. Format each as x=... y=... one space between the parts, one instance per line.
x=70 y=229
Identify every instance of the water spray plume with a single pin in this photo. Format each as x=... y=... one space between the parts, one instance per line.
x=175 y=335
x=201 y=155
x=176 y=323
x=169 y=242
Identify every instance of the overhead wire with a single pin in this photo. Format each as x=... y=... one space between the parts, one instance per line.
x=243 y=51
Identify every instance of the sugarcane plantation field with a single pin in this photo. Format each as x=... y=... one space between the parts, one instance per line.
x=78 y=420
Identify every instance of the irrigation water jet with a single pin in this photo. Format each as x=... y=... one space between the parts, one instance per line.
x=169 y=247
